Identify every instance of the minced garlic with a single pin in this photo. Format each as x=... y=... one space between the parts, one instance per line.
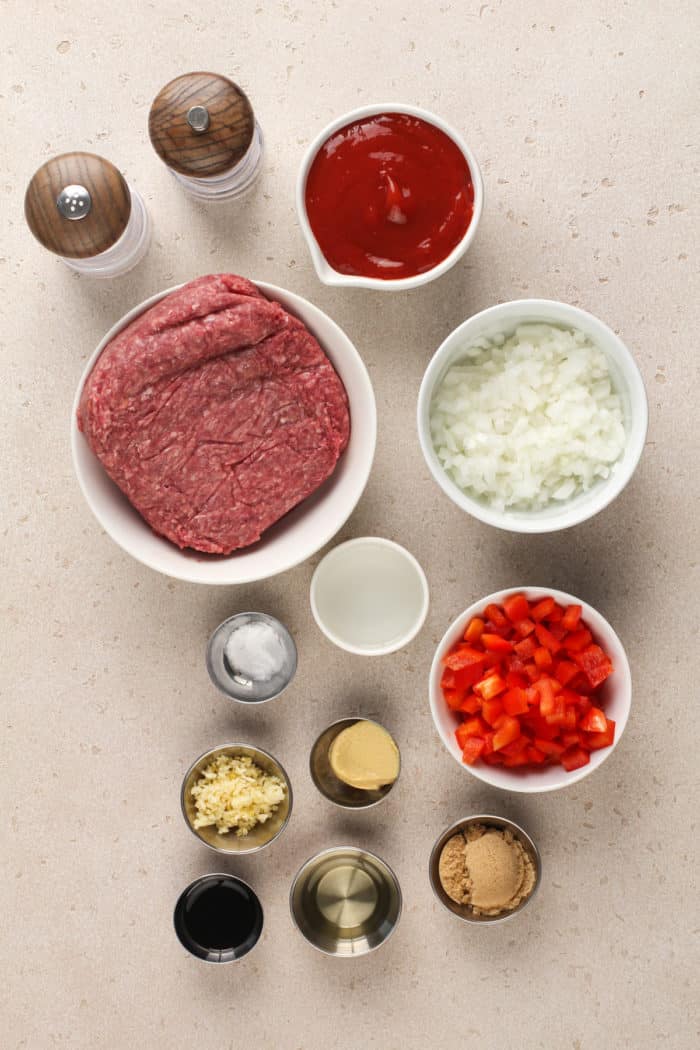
x=234 y=792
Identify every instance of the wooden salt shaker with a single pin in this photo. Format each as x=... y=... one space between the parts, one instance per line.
x=79 y=206
x=203 y=128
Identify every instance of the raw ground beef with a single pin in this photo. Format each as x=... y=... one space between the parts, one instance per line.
x=215 y=412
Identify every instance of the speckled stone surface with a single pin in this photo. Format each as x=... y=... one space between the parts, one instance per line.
x=585 y=120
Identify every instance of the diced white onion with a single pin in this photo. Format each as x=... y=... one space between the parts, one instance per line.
x=529 y=420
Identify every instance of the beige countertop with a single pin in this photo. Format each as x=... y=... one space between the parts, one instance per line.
x=584 y=118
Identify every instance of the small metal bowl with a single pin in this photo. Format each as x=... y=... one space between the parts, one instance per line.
x=262 y=834
x=335 y=790
x=464 y=911
x=345 y=901
x=238 y=687
x=230 y=953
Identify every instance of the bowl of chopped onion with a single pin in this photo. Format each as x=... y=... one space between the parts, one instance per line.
x=532 y=416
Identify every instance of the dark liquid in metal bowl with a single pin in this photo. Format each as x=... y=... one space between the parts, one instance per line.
x=218 y=918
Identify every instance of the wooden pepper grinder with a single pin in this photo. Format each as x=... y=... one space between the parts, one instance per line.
x=81 y=207
x=203 y=127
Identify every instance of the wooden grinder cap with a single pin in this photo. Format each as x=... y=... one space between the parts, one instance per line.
x=201 y=124
x=77 y=205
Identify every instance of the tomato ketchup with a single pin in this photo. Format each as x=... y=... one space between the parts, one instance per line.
x=388 y=196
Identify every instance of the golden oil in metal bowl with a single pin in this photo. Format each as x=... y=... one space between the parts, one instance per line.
x=345 y=901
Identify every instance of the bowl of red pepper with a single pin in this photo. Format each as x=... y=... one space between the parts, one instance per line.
x=530 y=689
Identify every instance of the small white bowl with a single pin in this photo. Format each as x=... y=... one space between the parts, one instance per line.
x=324 y=270
x=616 y=694
x=300 y=533
x=369 y=596
x=504 y=319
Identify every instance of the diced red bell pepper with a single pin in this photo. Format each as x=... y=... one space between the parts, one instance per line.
x=558 y=716
x=448 y=679
x=516 y=607
x=512 y=762
x=526 y=648
x=549 y=747
x=545 y=691
x=491 y=711
x=464 y=656
x=564 y=717
x=489 y=687
x=578 y=640
x=494 y=628
x=525 y=681
x=524 y=627
x=542 y=609
x=516 y=680
x=596 y=741
x=547 y=639
x=471 y=705
x=474 y=630
x=474 y=727
x=495 y=614
x=515 y=701
x=565 y=670
x=461 y=735
x=472 y=750
x=574 y=758
x=453 y=698
x=493 y=663
x=542 y=658
x=571 y=617
x=594 y=721
x=532 y=672
x=516 y=747
x=595 y=664
x=507 y=730
x=495 y=644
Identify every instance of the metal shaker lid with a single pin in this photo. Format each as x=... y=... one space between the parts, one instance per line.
x=201 y=124
x=77 y=205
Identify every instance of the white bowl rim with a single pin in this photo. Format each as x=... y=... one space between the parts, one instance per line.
x=603 y=494
x=324 y=270
x=192 y=575
x=496 y=776
x=409 y=635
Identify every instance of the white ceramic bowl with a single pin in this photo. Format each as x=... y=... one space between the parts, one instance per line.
x=616 y=694
x=503 y=319
x=369 y=596
x=325 y=272
x=300 y=533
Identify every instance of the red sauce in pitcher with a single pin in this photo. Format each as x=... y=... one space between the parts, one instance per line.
x=388 y=196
